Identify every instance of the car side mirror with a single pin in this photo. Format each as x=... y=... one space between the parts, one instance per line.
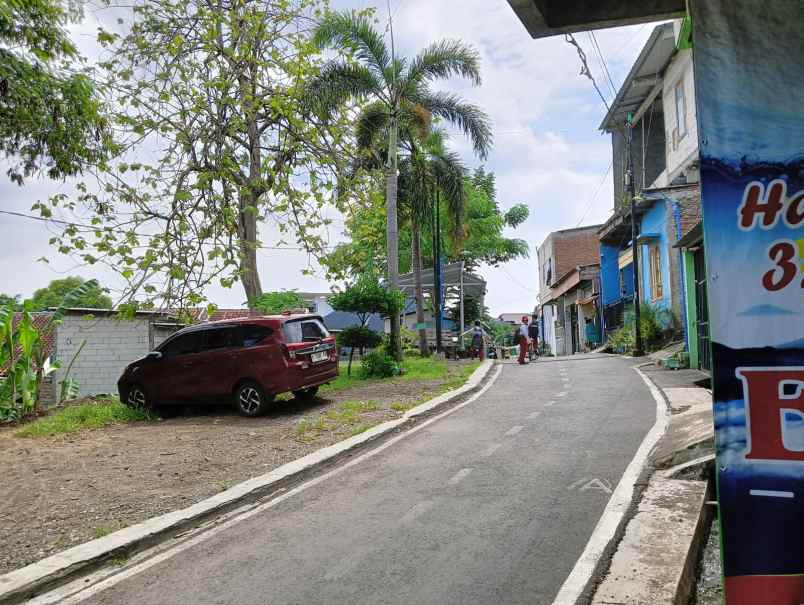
x=154 y=355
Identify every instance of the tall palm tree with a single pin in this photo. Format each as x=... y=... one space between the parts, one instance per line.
x=400 y=91
x=430 y=168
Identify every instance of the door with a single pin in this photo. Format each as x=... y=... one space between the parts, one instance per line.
x=214 y=365
x=702 y=311
x=171 y=377
x=574 y=329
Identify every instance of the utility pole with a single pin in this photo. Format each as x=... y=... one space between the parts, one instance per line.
x=630 y=189
x=392 y=174
x=437 y=271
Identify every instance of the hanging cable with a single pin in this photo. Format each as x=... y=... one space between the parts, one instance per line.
x=585 y=71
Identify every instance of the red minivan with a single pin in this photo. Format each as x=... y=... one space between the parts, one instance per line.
x=248 y=361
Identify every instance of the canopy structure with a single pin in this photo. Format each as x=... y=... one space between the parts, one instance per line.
x=458 y=283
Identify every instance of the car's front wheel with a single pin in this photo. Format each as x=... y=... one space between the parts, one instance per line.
x=251 y=400
x=305 y=394
x=137 y=398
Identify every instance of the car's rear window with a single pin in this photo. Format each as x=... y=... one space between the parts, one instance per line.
x=304 y=330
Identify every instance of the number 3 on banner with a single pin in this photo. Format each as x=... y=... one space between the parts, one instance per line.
x=785 y=256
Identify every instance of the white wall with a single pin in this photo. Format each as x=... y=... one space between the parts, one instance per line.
x=686 y=149
x=111 y=345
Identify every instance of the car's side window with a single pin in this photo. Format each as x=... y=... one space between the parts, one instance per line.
x=254 y=335
x=220 y=338
x=183 y=344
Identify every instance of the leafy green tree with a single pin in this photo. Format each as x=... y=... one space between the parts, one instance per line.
x=400 y=94
x=50 y=116
x=80 y=293
x=214 y=91
x=365 y=297
x=273 y=303
x=12 y=302
x=357 y=337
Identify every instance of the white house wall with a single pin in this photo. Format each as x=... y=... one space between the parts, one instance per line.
x=111 y=344
x=686 y=150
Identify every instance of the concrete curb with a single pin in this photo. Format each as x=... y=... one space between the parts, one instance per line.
x=21 y=584
x=670 y=577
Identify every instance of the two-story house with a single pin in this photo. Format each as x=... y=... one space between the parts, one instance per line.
x=658 y=100
x=568 y=309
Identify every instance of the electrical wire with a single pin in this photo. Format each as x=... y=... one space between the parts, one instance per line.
x=594 y=196
x=614 y=87
x=585 y=71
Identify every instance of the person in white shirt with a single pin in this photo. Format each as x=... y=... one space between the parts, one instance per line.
x=523 y=340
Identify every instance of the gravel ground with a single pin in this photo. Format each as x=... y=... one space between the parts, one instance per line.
x=58 y=492
x=709 y=590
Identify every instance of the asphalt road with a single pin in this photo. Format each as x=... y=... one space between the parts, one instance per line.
x=492 y=504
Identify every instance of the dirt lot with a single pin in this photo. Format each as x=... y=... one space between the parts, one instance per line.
x=60 y=491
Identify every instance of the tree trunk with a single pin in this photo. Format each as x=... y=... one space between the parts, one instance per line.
x=349 y=367
x=247 y=234
x=416 y=262
x=391 y=182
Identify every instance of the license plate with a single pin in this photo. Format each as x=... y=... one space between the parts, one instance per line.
x=320 y=356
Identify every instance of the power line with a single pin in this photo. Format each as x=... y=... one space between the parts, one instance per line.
x=585 y=71
x=603 y=62
x=119 y=230
x=516 y=281
x=594 y=196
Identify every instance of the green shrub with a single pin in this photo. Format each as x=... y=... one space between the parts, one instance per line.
x=378 y=364
x=653 y=323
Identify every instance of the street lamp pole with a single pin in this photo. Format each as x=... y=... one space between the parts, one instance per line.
x=630 y=189
x=438 y=275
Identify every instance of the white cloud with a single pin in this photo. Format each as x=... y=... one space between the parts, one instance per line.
x=548 y=152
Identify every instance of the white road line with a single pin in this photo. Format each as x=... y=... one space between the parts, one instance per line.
x=491 y=449
x=78 y=591
x=615 y=510
x=459 y=476
x=771 y=493
x=514 y=430
x=561 y=394
x=534 y=415
x=418 y=510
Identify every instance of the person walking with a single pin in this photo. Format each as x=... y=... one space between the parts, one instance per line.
x=478 y=348
x=533 y=335
x=523 y=340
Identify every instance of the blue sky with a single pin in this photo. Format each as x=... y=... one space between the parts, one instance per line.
x=548 y=152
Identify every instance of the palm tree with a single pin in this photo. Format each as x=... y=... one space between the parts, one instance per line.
x=430 y=168
x=401 y=93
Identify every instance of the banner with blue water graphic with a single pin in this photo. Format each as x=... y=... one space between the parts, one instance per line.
x=749 y=78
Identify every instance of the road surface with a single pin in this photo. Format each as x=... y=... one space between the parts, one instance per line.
x=492 y=504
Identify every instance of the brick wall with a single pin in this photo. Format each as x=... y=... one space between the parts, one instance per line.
x=111 y=344
x=575 y=247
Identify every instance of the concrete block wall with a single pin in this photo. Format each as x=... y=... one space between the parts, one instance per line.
x=111 y=344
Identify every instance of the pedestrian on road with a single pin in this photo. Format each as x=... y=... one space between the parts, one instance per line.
x=478 y=349
x=523 y=340
x=533 y=334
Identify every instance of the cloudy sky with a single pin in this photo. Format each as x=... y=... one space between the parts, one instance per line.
x=548 y=152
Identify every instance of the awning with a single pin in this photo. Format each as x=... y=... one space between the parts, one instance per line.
x=474 y=286
x=587 y=301
x=693 y=238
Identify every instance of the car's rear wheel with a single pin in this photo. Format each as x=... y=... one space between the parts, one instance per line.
x=251 y=400
x=306 y=394
x=137 y=398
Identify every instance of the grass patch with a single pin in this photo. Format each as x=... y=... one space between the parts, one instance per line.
x=345 y=418
x=85 y=416
x=458 y=380
x=414 y=368
x=105 y=530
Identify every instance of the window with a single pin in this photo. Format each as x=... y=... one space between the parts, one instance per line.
x=253 y=335
x=183 y=344
x=681 y=110
x=220 y=338
x=655 y=263
x=308 y=330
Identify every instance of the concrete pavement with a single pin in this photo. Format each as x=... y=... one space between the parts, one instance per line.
x=492 y=503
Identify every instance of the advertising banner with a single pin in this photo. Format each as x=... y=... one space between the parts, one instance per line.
x=749 y=77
